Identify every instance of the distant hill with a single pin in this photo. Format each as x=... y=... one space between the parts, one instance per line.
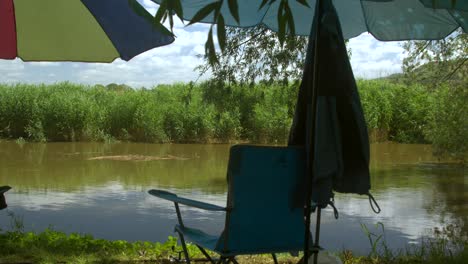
x=433 y=73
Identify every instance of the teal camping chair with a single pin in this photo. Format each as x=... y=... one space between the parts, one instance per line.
x=261 y=216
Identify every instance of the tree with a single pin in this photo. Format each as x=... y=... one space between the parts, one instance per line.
x=169 y=8
x=286 y=25
x=442 y=65
x=448 y=123
x=434 y=62
x=253 y=54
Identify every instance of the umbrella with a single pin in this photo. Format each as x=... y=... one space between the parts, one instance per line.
x=384 y=19
x=3 y=190
x=77 y=30
x=329 y=119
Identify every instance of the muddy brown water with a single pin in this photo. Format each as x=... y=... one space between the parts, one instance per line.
x=101 y=189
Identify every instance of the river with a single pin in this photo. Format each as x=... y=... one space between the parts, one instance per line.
x=101 y=189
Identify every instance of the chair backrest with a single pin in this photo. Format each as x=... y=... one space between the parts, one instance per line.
x=263 y=182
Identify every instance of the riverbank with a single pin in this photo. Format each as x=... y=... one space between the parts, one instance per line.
x=56 y=247
x=213 y=112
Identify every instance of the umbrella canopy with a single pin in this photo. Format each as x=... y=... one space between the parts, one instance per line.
x=384 y=19
x=77 y=30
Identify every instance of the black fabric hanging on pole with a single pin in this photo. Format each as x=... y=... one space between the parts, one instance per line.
x=341 y=152
x=3 y=190
x=329 y=120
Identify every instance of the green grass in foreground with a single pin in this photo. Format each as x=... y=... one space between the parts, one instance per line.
x=57 y=247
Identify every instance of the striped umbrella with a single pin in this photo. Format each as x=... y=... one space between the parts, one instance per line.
x=77 y=30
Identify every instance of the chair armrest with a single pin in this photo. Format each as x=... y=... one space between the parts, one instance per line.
x=189 y=202
x=4 y=189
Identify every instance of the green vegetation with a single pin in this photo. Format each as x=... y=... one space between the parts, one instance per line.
x=399 y=111
x=447 y=246
x=448 y=122
x=52 y=246
x=217 y=112
x=437 y=62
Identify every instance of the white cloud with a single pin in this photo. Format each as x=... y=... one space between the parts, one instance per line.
x=411 y=210
x=13 y=65
x=168 y=64
x=149 y=5
x=372 y=58
x=46 y=64
x=59 y=200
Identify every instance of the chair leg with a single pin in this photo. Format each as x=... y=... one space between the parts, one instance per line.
x=227 y=260
x=274 y=258
x=301 y=261
x=208 y=257
x=184 y=247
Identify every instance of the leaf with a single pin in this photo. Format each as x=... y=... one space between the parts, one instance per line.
x=161 y=11
x=281 y=23
x=264 y=2
x=221 y=33
x=210 y=49
x=290 y=19
x=204 y=12
x=178 y=9
x=141 y=11
x=303 y=2
x=234 y=9
x=163 y=29
x=207 y=43
x=171 y=22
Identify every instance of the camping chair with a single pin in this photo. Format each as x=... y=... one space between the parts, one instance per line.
x=3 y=190
x=261 y=212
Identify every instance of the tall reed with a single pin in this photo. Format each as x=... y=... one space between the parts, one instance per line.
x=215 y=112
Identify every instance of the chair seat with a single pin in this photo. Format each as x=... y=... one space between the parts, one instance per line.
x=199 y=237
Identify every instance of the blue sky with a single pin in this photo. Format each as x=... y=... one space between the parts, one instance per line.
x=176 y=62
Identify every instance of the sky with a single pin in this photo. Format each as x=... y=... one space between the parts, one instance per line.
x=176 y=62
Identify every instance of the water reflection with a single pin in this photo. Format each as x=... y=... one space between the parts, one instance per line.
x=56 y=184
x=66 y=166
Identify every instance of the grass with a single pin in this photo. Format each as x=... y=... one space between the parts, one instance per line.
x=57 y=247
x=52 y=246
x=449 y=245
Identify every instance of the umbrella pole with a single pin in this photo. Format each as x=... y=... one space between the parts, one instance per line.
x=312 y=116
x=317 y=235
